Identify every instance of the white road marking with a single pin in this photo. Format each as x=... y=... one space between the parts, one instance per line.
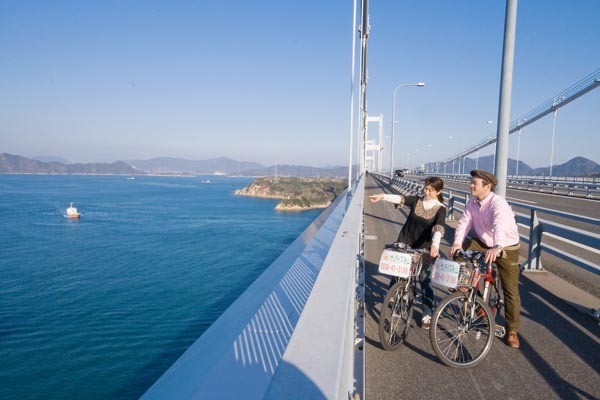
x=521 y=200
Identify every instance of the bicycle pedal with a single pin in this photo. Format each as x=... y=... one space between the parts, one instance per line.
x=499 y=331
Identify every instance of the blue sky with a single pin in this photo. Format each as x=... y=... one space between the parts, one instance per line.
x=270 y=81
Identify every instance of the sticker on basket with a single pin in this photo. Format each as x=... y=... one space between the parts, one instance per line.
x=445 y=273
x=395 y=263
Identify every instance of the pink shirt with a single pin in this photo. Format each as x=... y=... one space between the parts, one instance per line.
x=492 y=220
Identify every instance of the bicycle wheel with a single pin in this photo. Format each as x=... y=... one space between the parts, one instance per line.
x=396 y=313
x=461 y=331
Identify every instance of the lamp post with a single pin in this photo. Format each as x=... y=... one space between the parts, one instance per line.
x=494 y=160
x=418 y=84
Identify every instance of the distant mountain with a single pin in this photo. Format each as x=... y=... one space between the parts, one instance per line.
x=298 y=171
x=179 y=165
x=50 y=159
x=13 y=164
x=487 y=163
x=232 y=167
x=578 y=166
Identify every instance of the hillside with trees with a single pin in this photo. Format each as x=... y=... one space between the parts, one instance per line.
x=295 y=193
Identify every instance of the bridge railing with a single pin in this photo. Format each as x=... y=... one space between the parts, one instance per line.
x=572 y=186
x=538 y=227
x=293 y=333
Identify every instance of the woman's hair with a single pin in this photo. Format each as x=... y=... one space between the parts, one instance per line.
x=437 y=184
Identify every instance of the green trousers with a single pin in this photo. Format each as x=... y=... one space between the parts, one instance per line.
x=508 y=269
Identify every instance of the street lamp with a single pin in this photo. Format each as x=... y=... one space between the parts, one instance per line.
x=419 y=84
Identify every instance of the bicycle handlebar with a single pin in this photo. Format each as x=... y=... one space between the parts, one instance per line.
x=470 y=254
x=407 y=248
x=476 y=257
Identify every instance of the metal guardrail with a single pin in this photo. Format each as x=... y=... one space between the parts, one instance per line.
x=537 y=227
x=327 y=344
x=292 y=333
x=570 y=186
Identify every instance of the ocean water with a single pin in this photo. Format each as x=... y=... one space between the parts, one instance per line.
x=99 y=308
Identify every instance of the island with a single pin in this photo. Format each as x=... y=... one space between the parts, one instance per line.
x=296 y=194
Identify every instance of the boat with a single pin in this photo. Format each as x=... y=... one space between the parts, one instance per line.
x=206 y=181
x=131 y=178
x=72 y=212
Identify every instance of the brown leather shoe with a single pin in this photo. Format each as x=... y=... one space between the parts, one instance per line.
x=513 y=340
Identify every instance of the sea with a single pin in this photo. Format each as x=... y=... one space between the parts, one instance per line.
x=100 y=307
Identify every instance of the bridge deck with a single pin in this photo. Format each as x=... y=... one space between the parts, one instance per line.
x=559 y=355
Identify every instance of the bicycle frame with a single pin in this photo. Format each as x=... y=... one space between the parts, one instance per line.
x=463 y=323
x=490 y=282
x=396 y=309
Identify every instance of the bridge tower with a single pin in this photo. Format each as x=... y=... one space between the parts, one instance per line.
x=374 y=151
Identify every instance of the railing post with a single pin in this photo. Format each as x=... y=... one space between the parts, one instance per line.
x=450 y=214
x=534 y=256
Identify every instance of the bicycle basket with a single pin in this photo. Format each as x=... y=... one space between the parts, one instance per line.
x=465 y=274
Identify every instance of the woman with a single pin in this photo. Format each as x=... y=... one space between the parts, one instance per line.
x=423 y=229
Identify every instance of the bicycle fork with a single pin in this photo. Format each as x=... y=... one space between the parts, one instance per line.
x=499 y=330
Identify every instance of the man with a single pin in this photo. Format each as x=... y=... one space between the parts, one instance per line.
x=496 y=234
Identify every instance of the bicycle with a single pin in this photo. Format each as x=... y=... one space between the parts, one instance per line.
x=461 y=331
x=404 y=263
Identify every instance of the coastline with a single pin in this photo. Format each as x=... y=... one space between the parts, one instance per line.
x=238 y=192
x=278 y=207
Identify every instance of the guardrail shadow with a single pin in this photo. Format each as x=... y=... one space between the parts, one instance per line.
x=375 y=291
x=567 y=325
x=296 y=382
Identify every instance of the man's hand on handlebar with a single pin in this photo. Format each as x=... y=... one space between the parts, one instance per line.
x=434 y=251
x=492 y=254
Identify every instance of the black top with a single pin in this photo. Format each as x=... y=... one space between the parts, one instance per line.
x=420 y=225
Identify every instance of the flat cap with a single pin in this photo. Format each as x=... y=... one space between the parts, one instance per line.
x=479 y=173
